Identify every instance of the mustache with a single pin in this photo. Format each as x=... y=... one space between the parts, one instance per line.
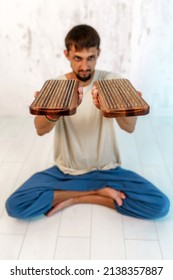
x=84 y=71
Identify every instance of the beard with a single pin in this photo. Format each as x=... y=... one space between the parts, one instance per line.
x=84 y=78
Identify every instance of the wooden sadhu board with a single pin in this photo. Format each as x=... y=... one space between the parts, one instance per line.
x=118 y=98
x=56 y=98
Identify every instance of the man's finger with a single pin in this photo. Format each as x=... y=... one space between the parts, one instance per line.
x=36 y=94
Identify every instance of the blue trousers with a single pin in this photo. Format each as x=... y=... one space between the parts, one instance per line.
x=35 y=196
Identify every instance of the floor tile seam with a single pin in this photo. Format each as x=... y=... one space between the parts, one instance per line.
x=141 y=239
x=73 y=237
x=123 y=228
x=24 y=238
x=159 y=241
x=57 y=237
x=91 y=230
x=12 y=234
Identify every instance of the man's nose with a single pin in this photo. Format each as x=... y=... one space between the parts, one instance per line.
x=84 y=64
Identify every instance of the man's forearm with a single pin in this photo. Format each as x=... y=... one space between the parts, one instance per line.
x=127 y=123
x=42 y=125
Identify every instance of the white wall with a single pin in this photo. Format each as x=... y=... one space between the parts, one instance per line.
x=137 y=41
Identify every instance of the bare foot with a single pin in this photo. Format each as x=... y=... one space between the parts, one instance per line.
x=60 y=206
x=91 y=199
x=104 y=196
x=118 y=196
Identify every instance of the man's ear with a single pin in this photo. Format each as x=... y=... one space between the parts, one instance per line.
x=66 y=53
x=99 y=51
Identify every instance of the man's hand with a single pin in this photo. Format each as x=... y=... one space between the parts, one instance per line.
x=80 y=95
x=95 y=96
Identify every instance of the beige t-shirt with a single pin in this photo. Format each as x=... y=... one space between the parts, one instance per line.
x=86 y=141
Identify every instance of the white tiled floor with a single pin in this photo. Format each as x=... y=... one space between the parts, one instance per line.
x=86 y=231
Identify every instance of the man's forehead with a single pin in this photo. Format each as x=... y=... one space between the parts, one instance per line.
x=83 y=52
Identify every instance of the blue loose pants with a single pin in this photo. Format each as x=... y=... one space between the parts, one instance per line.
x=35 y=196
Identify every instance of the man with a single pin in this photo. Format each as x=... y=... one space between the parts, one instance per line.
x=87 y=162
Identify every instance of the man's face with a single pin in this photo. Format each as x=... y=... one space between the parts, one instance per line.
x=82 y=62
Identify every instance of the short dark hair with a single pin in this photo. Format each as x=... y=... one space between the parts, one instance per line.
x=82 y=36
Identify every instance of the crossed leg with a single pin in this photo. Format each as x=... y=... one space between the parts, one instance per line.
x=51 y=190
x=104 y=197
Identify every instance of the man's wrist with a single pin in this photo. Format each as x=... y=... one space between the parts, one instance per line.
x=52 y=119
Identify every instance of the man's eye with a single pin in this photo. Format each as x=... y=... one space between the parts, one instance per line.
x=91 y=58
x=77 y=58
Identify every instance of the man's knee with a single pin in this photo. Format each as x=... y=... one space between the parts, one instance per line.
x=164 y=206
x=12 y=208
x=159 y=206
